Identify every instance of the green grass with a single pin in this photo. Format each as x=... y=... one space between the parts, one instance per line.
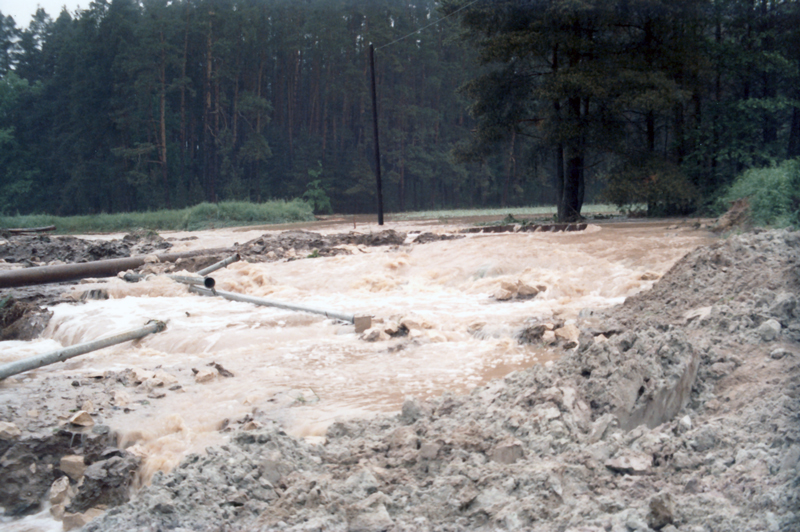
x=544 y=211
x=202 y=216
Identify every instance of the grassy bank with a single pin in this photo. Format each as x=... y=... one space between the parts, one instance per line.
x=547 y=211
x=202 y=216
x=230 y=214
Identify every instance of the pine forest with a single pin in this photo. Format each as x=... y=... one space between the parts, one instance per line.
x=162 y=104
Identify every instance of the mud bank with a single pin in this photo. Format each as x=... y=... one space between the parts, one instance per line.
x=44 y=249
x=678 y=410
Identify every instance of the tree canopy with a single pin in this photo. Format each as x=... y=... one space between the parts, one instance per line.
x=145 y=104
x=666 y=100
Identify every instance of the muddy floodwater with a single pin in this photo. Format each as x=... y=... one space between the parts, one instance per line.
x=304 y=371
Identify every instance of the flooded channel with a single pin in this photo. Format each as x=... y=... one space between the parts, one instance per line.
x=304 y=371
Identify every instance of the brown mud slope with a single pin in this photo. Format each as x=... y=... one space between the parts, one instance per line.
x=43 y=249
x=679 y=410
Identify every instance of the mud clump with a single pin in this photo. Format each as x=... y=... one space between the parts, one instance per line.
x=299 y=244
x=44 y=249
x=425 y=238
x=20 y=320
x=32 y=463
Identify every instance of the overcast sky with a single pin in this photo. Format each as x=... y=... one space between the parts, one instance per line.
x=22 y=10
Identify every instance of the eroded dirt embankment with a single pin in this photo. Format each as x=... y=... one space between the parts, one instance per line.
x=678 y=411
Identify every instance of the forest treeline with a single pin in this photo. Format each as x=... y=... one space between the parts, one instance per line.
x=141 y=105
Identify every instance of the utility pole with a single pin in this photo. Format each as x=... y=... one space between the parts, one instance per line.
x=375 y=130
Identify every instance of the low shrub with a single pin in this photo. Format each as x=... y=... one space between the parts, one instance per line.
x=773 y=194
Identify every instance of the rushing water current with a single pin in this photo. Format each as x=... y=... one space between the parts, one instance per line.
x=303 y=370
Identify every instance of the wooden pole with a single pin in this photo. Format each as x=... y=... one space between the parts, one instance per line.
x=375 y=129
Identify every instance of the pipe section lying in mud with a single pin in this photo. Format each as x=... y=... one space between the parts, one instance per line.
x=61 y=355
x=75 y=272
x=362 y=323
x=207 y=282
x=218 y=266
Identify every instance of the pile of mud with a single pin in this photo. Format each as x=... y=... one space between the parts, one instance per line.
x=299 y=244
x=20 y=320
x=44 y=249
x=679 y=410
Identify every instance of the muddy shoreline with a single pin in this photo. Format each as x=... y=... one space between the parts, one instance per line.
x=675 y=411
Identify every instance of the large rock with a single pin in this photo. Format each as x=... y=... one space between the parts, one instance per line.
x=206 y=375
x=59 y=491
x=74 y=466
x=769 y=330
x=9 y=431
x=633 y=463
x=82 y=418
x=106 y=482
x=662 y=511
x=568 y=333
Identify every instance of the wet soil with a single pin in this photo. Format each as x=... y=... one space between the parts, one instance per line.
x=20 y=320
x=44 y=249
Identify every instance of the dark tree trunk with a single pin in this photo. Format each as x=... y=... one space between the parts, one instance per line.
x=794 y=135
x=573 y=179
x=560 y=181
x=572 y=186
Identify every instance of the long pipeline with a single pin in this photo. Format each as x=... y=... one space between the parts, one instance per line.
x=61 y=355
x=272 y=303
x=101 y=268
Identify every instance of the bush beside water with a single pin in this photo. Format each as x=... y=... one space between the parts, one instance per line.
x=202 y=216
x=773 y=194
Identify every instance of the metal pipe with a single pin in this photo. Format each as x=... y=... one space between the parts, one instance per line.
x=74 y=272
x=208 y=282
x=7 y=370
x=270 y=303
x=219 y=265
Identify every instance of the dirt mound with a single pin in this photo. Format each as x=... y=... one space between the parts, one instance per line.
x=425 y=238
x=685 y=417
x=20 y=320
x=43 y=249
x=296 y=244
x=760 y=270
